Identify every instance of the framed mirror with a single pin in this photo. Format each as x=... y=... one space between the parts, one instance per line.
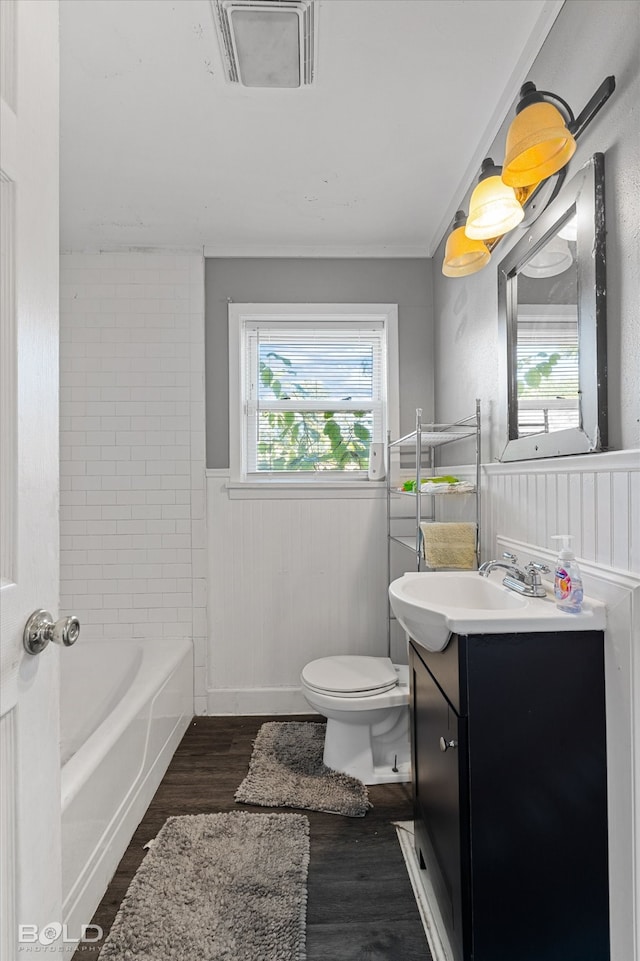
x=552 y=314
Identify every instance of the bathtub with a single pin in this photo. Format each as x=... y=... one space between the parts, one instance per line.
x=124 y=707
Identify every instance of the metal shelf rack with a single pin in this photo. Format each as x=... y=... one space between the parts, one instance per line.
x=423 y=444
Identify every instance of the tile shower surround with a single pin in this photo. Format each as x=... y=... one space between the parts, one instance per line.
x=132 y=499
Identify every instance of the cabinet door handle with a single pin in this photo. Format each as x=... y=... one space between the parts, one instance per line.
x=445 y=745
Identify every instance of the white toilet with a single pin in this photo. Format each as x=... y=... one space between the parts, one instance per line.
x=366 y=703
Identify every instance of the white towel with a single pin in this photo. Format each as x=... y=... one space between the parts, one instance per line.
x=449 y=544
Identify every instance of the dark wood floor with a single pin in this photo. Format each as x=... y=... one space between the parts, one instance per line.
x=360 y=902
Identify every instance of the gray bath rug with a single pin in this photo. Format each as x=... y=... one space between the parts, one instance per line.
x=287 y=770
x=217 y=887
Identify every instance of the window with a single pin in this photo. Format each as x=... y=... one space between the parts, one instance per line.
x=310 y=389
x=547 y=366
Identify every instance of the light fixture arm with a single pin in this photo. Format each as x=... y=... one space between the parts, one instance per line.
x=598 y=100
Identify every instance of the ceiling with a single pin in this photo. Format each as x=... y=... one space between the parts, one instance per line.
x=373 y=158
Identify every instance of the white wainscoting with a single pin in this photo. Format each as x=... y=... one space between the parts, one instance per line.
x=597 y=499
x=291 y=578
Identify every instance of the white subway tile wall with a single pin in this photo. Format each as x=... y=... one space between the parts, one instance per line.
x=132 y=447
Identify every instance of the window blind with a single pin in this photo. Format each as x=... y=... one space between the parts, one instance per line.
x=314 y=395
x=548 y=374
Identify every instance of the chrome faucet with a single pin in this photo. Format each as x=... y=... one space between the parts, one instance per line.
x=527 y=581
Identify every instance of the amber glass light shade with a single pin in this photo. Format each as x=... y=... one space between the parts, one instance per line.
x=494 y=209
x=538 y=145
x=463 y=256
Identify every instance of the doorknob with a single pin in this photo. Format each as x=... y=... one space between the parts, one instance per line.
x=41 y=628
x=445 y=745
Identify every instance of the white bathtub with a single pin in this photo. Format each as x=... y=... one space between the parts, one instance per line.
x=124 y=708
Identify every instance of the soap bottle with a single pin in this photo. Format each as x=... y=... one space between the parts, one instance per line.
x=567 y=584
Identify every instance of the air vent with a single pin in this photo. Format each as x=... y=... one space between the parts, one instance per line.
x=266 y=43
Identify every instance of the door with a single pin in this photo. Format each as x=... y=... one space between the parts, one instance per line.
x=29 y=686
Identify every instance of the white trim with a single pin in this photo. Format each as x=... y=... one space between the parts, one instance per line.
x=405 y=251
x=268 y=490
x=166 y=249
x=296 y=489
x=257 y=700
x=426 y=900
x=538 y=35
x=239 y=313
x=614 y=460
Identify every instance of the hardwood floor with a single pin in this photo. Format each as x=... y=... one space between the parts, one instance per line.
x=360 y=902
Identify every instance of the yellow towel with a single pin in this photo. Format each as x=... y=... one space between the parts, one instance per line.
x=449 y=545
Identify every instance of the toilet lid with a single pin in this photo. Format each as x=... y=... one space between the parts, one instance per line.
x=350 y=675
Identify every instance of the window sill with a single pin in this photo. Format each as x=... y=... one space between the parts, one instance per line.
x=300 y=490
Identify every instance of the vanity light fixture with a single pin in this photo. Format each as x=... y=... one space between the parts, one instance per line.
x=463 y=256
x=540 y=142
x=494 y=208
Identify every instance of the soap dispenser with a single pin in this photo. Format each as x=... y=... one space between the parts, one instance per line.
x=567 y=584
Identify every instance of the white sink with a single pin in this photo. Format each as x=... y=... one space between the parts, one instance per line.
x=430 y=606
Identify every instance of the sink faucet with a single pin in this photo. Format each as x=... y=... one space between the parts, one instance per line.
x=525 y=581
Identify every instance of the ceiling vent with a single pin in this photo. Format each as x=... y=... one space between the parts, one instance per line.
x=266 y=43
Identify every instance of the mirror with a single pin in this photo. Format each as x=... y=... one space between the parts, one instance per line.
x=551 y=301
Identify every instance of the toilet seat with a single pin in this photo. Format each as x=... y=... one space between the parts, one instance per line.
x=350 y=675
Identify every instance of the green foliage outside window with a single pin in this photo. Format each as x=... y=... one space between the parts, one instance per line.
x=537 y=374
x=304 y=440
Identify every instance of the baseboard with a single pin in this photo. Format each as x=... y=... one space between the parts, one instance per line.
x=424 y=894
x=257 y=700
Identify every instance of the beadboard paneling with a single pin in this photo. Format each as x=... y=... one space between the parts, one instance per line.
x=594 y=498
x=289 y=581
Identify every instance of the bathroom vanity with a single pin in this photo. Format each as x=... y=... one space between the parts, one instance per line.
x=510 y=792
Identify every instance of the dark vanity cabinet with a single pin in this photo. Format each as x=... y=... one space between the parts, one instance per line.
x=510 y=793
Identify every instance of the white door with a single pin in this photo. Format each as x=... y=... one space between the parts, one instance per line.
x=30 y=886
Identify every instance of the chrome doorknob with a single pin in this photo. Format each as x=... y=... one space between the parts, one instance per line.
x=445 y=745
x=41 y=628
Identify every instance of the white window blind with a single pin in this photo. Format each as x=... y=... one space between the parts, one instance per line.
x=314 y=395
x=548 y=372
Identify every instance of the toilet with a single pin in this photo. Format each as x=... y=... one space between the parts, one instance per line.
x=366 y=703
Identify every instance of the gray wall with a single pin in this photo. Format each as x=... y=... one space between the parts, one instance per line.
x=589 y=41
x=406 y=282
